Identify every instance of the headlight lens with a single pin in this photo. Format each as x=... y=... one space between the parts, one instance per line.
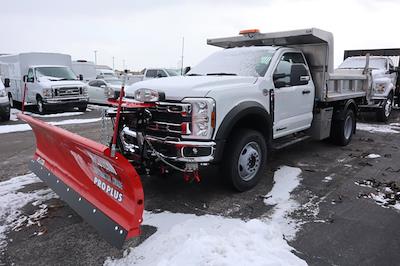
x=380 y=87
x=203 y=118
x=47 y=92
x=85 y=90
x=146 y=95
x=3 y=93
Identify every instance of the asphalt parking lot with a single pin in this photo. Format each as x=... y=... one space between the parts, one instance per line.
x=339 y=223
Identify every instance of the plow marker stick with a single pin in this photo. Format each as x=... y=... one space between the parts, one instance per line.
x=106 y=191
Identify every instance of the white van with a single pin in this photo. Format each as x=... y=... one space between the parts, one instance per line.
x=4 y=105
x=50 y=81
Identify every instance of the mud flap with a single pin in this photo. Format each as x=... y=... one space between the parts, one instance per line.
x=106 y=192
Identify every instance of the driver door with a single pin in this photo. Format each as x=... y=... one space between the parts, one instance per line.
x=293 y=110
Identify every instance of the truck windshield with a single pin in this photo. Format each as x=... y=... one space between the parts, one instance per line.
x=359 y=63
x=172 y=72
x=55 y=73
x=241 y=61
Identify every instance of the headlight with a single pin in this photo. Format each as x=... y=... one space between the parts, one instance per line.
x=85 y=90
x=146 y=95
x=203 y=118
x=47 y=93
x=3 y=93
x=380 y=87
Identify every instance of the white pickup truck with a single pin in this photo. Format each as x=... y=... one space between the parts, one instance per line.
x=262 y=91
x=384 y=77
x=50 y=82
x=152 y=73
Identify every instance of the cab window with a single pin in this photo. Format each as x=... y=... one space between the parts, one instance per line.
x=30 y=75
x=283 y=70
x=151 y=73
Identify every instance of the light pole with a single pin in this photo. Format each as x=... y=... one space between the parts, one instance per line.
x=183 y=47
x=95 y=57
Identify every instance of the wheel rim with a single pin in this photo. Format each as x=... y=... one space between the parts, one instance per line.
x=249 y=161
x=388 y=107
x=348 y=127
x=40 y=106
x=10 y=99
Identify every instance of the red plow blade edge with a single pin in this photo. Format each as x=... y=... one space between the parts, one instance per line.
x=106 y=192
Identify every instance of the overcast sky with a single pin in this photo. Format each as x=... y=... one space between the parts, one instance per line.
x=149 y=33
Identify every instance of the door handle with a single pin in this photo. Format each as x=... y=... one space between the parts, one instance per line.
x=306 y=92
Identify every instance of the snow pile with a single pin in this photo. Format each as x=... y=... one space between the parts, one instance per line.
x=25 y=127
x=11 y=201
x=286 y=180
x=375 y=128
x=187 y=239
x=387 y=194
x=372 y=156
x=327 y=179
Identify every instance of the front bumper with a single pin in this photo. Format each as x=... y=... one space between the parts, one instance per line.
x=58 y=103
x=184 y=151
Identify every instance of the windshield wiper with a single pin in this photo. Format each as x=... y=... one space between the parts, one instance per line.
x=67 y=79
x=194 y=74
x=221 y=74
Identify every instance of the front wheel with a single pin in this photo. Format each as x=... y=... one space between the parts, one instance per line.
x=245 y=160
x=82 y=108
x=383 y=114
x=342 y=130
x=40 y=105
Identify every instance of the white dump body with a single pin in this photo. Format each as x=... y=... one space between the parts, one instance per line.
x=317 y=46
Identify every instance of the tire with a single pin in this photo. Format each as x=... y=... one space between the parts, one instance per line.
x=245 y=159
x=82 y=108
x=5 y=116
x=383 y=114
x=41 y=107
x=342 y=130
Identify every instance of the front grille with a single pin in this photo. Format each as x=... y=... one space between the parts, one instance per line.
x=170 y=119
x=67 y=91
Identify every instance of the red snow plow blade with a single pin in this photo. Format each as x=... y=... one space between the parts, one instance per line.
x=106 y=192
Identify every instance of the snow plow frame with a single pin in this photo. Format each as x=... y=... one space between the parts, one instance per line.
x=105 y=191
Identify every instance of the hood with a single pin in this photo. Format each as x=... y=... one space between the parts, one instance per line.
x=179 y=87
x=45 y=82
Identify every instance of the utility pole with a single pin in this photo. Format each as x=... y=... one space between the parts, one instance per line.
x=183 y=47
x=113 y=63
x=95 y=57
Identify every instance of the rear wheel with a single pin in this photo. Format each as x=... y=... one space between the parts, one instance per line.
x=342 y=130
x=245 y=160
x=383 y=114
x=40 y=105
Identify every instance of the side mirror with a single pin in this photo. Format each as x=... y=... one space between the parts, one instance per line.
x=80 y=77
x=299 y=75
x=25 y=78
x=7 y=82
x=186 y=70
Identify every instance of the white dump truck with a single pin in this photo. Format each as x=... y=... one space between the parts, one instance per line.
x=382 y=65
x=50 y=81
x=262 y=91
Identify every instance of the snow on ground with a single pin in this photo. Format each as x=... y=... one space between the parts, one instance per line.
x=187 y=239
x=372 y=156
x=286 y=179
x=327 y=179
x=372 y=128
x=25 y=127
x=11 y=200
